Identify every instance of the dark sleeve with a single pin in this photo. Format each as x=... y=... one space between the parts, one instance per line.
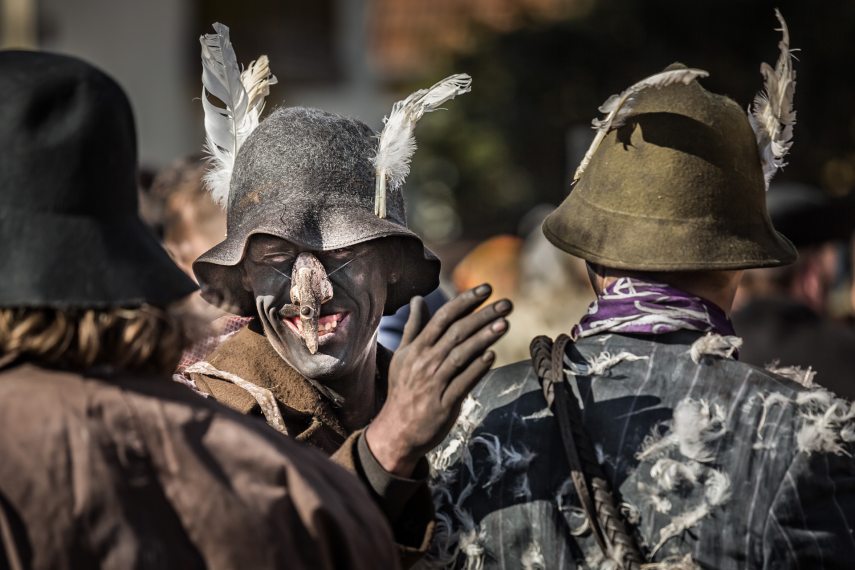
x=812 y=519
x=406 y=502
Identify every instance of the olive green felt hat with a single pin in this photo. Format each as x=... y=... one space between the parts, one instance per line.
x=679 y=186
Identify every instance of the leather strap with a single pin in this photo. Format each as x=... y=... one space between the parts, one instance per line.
x=592 y=488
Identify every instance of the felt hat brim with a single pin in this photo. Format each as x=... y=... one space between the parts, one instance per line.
x=219 y=268
x=64 y=261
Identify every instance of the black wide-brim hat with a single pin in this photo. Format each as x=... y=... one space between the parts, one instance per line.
x=305 y=175
x=69 y=226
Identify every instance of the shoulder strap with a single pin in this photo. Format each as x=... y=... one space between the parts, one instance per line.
x=592 y=488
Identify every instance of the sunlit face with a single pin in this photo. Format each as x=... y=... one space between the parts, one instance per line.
x=360 y=276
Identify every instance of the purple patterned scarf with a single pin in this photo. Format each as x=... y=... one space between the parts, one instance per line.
x=637 y=307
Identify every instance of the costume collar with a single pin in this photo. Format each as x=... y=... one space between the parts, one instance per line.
x=634 y=306
x=306 y=413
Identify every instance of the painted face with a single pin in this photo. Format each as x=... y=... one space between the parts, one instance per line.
x=348 y=322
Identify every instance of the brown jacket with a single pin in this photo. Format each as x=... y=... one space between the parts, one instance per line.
x=309 y=417
x=121 y=471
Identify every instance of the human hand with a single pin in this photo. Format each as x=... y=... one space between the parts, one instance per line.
x=436 y=366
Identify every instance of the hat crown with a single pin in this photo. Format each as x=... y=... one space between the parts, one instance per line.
x=68 y=137
x=68 y=195
x=302 y=161
x=679 y=186
x=684 y=153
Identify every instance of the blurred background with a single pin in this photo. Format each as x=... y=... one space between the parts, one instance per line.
x=491 y=166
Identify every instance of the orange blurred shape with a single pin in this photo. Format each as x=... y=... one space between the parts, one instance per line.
x=494 y=261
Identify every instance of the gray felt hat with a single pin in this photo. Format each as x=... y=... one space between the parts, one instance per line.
x=306 y=176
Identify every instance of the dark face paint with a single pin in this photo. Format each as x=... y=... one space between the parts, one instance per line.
x=359 y=277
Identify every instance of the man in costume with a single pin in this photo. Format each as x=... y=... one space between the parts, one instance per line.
x=316 y=253
x=104 y=461
x=640 y=441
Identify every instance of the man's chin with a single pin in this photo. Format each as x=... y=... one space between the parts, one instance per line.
x=324 y=364
x=319 y=366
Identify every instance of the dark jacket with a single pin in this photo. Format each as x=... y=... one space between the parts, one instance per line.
x=792 y=334
x=123 y=471
x=753 y=489
x=310 y=418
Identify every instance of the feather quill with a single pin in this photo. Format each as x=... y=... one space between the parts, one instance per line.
x=772 y=115
x=397 y=141
x=618 y=107
x=241 y=95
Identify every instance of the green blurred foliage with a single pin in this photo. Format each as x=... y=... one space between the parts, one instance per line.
x=514 y=141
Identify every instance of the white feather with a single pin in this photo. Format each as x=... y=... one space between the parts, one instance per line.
x=772 y=115
x=397 y=142
x=618 y=107
x=241 y=95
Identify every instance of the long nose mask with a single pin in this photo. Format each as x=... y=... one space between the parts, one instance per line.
x=310 y=288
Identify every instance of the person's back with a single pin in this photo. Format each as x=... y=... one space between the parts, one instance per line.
x=638 y=441
x=105 y=462
x=717 y=460
x=128 y=470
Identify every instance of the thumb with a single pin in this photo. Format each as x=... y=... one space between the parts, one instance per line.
x=416 y=322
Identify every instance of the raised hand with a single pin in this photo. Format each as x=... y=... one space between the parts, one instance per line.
x=437 y=364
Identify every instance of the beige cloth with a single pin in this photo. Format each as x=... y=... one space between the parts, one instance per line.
x=139 y=472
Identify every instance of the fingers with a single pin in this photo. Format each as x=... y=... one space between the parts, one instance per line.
x=416 y=322
x=464 y=382
x=461 y=355
x=449 y=313
x=461 y=330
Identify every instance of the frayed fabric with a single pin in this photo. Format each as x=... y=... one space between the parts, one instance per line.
x=503 y=460
x=695 y=428
x=711 y=344
x=826 y=423
x=717 y=492
x=457 y=532
x=659 y=502
x=600 y=364
x=630 y=512
x=803 y=376
x=827 y=426
x=532 y=558
x=457 y=443
x=444 y=543
x=472 y=546
x=538 y=415
x=672 y=475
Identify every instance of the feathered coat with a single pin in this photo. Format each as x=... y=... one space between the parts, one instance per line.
x=715 y=464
